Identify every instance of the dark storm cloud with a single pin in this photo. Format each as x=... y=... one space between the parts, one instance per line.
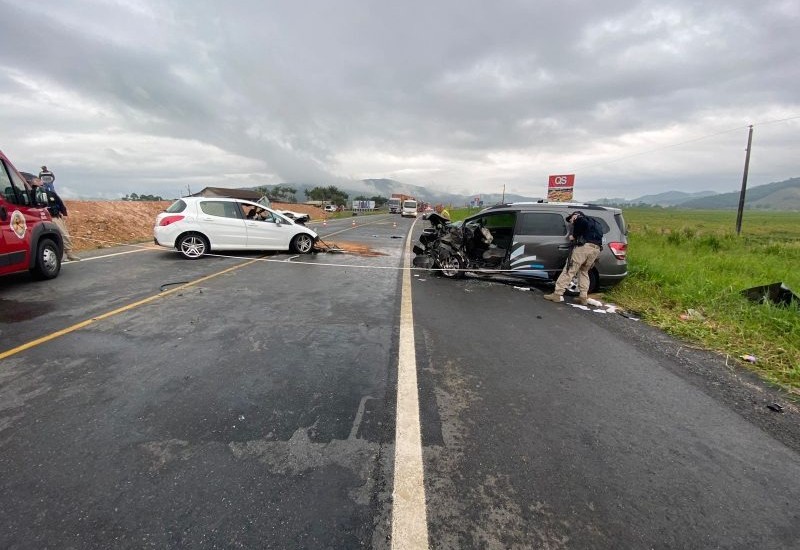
x=458 y=95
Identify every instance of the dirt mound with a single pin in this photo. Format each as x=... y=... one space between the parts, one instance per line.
x=100 y=224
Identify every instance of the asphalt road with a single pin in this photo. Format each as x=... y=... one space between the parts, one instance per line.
x=249 y=401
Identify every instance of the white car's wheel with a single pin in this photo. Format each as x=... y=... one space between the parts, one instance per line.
x=192 y=246
x=302 y=243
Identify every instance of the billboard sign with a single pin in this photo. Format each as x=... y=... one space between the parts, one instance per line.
x=560 y=188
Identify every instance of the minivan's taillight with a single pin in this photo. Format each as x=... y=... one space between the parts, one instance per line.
x=619 y=250
x=169 y=219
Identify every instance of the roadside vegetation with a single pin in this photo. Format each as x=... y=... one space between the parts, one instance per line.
x=687 y=269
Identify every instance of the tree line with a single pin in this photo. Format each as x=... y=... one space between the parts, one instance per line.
x=330 y=194
x=138 y=197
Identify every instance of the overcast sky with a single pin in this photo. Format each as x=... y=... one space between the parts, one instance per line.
x=465 y=96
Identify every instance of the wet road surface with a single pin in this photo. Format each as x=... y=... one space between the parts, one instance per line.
x=249 y=401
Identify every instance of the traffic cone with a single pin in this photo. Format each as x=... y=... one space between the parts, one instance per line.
x=354 y=223
x=325 y=222
x=394 y=224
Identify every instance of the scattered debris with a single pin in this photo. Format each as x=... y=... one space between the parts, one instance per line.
x=692 y=315
x=522 y=288
x=628 y=315
x=347 y=248
x=593 y=302
x=165 y=285
x=777 y=293
x=749 y=358
x=775 y=407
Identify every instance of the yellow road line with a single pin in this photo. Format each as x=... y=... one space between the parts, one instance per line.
x=87 y=322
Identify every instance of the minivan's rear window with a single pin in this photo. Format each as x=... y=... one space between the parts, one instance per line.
x=621 y=223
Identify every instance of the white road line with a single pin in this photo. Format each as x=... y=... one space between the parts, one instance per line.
x=140 y=249
x=409 y=514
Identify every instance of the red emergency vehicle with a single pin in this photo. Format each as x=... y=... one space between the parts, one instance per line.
x=29 y=240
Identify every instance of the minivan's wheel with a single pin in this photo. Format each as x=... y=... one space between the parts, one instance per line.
x=452 y=266
x=302 y=243
x=48 y=262
x=594 y=283
x=192 y=246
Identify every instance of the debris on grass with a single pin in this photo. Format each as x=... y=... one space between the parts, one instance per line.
x=692 y=315
x=777 y=293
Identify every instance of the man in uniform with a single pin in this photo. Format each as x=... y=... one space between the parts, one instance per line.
x=587 y=238
x=48 y=179
x=58 y=211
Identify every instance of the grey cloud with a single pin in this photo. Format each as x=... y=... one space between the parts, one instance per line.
x=296 y=87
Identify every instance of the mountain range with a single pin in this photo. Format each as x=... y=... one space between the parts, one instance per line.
x=782 y=195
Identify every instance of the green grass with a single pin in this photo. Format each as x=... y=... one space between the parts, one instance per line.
x=687 y=259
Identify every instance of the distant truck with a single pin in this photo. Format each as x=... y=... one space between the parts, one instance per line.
x=396 y=202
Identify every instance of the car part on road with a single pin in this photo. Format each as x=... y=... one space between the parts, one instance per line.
x=777 y=293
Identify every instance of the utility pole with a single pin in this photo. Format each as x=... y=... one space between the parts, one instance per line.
x=744 y=182
x=503 y=201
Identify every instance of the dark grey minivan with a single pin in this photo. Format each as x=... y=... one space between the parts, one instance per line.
x=528 y=240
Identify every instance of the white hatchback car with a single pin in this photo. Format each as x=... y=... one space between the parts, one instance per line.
x=198 y=225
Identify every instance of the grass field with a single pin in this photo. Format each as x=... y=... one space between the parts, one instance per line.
x=687 y=259
x=681 y=260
